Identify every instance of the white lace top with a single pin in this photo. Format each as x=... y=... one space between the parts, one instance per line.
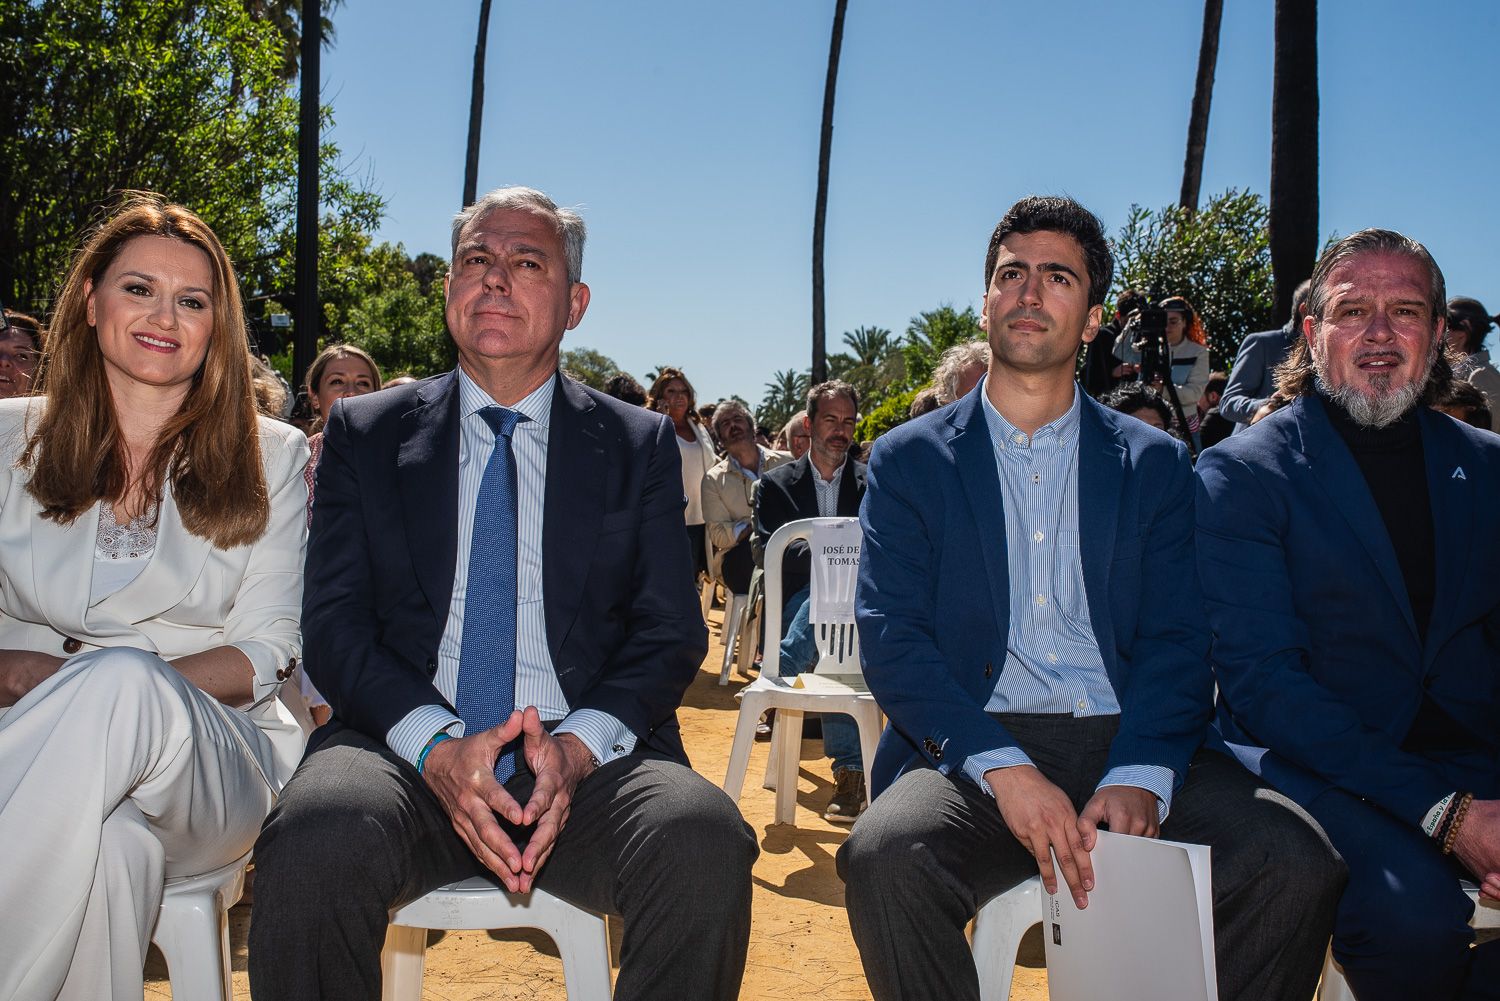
x=121 y=552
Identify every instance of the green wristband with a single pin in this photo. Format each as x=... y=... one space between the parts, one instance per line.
x=437 y=739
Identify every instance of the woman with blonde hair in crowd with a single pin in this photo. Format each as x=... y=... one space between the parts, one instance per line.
x=151 y=545
x=672 y=394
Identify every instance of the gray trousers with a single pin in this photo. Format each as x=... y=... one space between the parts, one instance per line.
x=930 y=850
x=356 y=833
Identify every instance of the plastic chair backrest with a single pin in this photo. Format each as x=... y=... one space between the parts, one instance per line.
x=838 y=645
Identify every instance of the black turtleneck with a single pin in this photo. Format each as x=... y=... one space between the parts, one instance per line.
x=1395 y=470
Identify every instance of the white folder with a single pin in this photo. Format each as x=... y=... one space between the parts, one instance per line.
x=1147 y=933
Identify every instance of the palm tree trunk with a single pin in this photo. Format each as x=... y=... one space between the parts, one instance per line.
x=307 y=313
x=1203 y=95
x=476 y=108
x=820 y=212
x=1294 y=149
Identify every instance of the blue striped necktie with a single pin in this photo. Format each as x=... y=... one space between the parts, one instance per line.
x=487 y=658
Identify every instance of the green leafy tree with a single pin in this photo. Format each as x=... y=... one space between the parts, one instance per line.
x=186 y=99
x=402 y=327
x=589 y=366
x=1218 y=257
x=786 y=394
x=890 y=412
x=930 y=334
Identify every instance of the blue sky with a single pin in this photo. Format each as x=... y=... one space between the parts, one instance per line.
x=687 y=134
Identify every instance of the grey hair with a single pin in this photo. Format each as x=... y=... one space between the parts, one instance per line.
x=726 y=408
x=569 y=223
x=952 y=363
x=794 y=422
x=1376 y=241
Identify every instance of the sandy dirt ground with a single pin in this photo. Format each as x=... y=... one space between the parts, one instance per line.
x=800 y=946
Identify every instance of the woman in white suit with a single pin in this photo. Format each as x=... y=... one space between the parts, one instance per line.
x=151 y=544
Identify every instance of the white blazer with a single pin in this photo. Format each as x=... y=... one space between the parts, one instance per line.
x=189 y=598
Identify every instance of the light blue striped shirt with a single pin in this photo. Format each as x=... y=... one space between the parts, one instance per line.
x=536 y=678
x=1052 y=660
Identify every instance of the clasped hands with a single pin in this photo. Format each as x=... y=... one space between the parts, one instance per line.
x=1478 y=845
x=461 y=773
x=1041 y=817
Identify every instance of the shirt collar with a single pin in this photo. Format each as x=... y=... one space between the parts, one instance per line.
x=536 y=406
x=838 y=473
x=1064 y=430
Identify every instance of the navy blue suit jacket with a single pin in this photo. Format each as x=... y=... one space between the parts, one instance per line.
x=1316 y=652
x=623 y=623
x=933 y=601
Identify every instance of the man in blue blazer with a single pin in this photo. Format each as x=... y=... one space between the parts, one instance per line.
x=1030 y=621
x=504 y=621
x=1252 y=380
x=1347 y=549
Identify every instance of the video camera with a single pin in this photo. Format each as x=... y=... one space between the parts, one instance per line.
x=1147 y=331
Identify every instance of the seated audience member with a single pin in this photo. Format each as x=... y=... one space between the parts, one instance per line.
x=397 y=380
x=1142 y=402
x=727 y=492
x=273 y=397
x=1468 y=324
x=1345 y=551
x=151 y=541
x=1188 y=351
x=1211 y=427
x=1030 y=620
x=925 y=402
x=959 y=370
x=20 y=348
x=504 y=683
x=672 y=394
x=623 y=387
x=1252 y=379
x=825 y=483
x=1463 y=401
x=798 y=438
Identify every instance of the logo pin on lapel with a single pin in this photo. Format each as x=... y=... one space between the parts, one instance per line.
x=1458 y=473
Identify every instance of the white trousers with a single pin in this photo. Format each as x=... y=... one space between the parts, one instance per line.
x=115 y=774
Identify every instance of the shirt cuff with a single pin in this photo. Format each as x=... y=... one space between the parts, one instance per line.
x=1155 y=779
x=1001 y=757
x=1435 y=815
x=605 y=737
x=416 y=728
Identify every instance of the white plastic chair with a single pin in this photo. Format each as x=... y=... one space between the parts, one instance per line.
x=998 y=929
x=582 y=936
x=1335 y=988
x=744 y=630
x=192 y=931
x=839 y=687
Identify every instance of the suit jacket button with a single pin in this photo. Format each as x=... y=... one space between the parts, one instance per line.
x=988 y=670
x=431 y=666
x=72 y=646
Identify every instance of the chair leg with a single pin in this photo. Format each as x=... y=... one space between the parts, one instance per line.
x=734 y=611
x=706 y=593
x=998 y=929
x=752 y=704
x=752 y=634
x=787 y=741
x=583 y=943
x=401 y=963
x=868 y=719
x=1333 y=986
x=193 y=936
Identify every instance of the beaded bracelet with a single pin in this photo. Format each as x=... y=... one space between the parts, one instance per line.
x=437 y=739
x=1459 y=811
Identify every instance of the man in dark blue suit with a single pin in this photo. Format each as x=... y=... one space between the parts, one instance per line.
x=503 y=618
x=1030 y=621
x=1347 y=549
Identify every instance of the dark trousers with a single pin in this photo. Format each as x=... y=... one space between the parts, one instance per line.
x=1403 y=924
x=697 y=535
x=356 y=833
x=930 y=850
x=738 y=567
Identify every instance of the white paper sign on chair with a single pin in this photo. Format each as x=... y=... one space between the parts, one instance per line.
x=835 y=565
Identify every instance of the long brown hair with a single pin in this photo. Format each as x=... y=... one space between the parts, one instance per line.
x=659 y=387
x=320 y=364
x=209 y=450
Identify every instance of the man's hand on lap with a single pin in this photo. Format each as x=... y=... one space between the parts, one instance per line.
x=1041 y=817
x=461 y=774
x=1478 y=845
x=559 y=764
x=1122 y=809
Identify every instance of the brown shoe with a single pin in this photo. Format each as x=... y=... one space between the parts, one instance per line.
x=848 y=800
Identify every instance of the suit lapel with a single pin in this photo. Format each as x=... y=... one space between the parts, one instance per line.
x=578 y=468
x=171 y=574
x=62 y=565
x=974 y=457
x=1101 y=477
x=804 y=495
x=1335 y=470
x=1454 y=515
x=427 y=480
x=849 y=489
